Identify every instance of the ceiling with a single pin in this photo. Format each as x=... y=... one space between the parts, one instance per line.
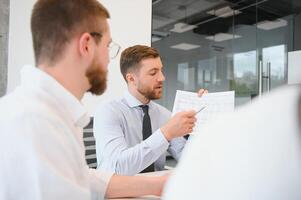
x=210 y=17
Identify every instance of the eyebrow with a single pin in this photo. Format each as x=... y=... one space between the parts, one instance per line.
x=154 y=69
x=97 y=34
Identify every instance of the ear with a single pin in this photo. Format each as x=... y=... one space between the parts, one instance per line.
x=86 y=47
x=130 y=78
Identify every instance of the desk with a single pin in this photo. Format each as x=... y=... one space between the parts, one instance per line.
x=149 y=197
x=141 y=198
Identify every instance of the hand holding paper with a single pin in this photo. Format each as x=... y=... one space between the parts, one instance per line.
x=179 y=125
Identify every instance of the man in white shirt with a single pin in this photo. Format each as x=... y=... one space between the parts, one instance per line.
x=133 y=133
x=41 y=122
x=254 y=153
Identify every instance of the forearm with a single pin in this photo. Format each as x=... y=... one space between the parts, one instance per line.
x=134 y=186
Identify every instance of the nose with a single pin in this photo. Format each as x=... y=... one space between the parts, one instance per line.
x=161 y=77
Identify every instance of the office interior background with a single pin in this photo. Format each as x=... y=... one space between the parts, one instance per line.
x=248 y=46
x=222 y=45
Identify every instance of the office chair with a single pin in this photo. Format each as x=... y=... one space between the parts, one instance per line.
x=89 y=142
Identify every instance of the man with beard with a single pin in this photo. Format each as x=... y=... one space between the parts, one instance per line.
x=41 y=122
x=133 y=133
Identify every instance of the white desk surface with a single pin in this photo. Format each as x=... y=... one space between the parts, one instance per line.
x=149 y=197
x=141 y=198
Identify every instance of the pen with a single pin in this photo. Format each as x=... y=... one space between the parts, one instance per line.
x=200 y=110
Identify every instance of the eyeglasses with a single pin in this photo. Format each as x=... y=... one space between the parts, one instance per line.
x=114 y=48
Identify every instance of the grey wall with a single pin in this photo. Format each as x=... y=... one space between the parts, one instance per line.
x=4 y=19
x=297 y=33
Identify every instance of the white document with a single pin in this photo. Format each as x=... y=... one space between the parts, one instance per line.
x=213 y=104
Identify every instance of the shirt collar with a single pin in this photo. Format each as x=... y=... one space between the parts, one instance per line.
x=34 y=78
x=133 y=101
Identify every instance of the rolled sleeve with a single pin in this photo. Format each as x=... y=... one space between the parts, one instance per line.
x=99 y=181
x=157 y=142
x=176 y=147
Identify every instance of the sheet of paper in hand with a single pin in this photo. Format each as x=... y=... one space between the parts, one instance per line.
x=209 y=106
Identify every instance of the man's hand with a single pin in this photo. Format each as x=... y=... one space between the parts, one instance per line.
x=179 y=125
x=202 y=91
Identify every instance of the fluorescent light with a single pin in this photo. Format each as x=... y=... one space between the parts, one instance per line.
x=155 y=39
x=185 y=46
x=182 y=27
x=222 y=37
x=269 y=25
x=224 y=12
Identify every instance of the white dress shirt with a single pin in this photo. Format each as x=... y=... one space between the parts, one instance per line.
x=41 y=146
x=252 y=154
x=118 y=133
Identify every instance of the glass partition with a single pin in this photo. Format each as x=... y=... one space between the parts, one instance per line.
x=223 y=45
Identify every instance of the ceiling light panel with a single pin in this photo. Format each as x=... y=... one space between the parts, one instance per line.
x=222 y=37
x=185 y=46
x=224 y=12
x=269 y=25
x=182 y=27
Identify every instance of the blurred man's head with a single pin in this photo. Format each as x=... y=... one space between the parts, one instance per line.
x=141 y=67
x=76 y=30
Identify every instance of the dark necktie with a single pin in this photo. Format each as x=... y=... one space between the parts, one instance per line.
x=146 y=132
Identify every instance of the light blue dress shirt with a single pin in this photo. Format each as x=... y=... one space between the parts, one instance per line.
x=118 y=134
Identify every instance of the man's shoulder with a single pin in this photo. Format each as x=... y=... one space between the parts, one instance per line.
x=16 y=105
x=160 y=108
x=114 y=108
x=115 y=104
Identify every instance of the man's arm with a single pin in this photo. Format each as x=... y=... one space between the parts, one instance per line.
x=134 y=186
x=177 y=144
x=113 y=151
x=176 y=147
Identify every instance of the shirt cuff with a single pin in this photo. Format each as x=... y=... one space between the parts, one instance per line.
x=99 y=181
x=157 y=142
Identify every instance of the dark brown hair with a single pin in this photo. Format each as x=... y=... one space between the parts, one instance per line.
x=55 y=22
x=131 y=57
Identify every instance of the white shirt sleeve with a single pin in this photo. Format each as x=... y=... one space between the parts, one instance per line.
x=176 y=147
x=99 y=181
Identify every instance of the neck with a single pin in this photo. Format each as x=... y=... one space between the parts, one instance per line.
x=66 y=74
x=138 y=95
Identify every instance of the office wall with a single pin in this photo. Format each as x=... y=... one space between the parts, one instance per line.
x=4 y=17
x=130 y=24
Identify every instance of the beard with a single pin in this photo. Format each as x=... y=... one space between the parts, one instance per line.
x=149 y=93
x=97 y=77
